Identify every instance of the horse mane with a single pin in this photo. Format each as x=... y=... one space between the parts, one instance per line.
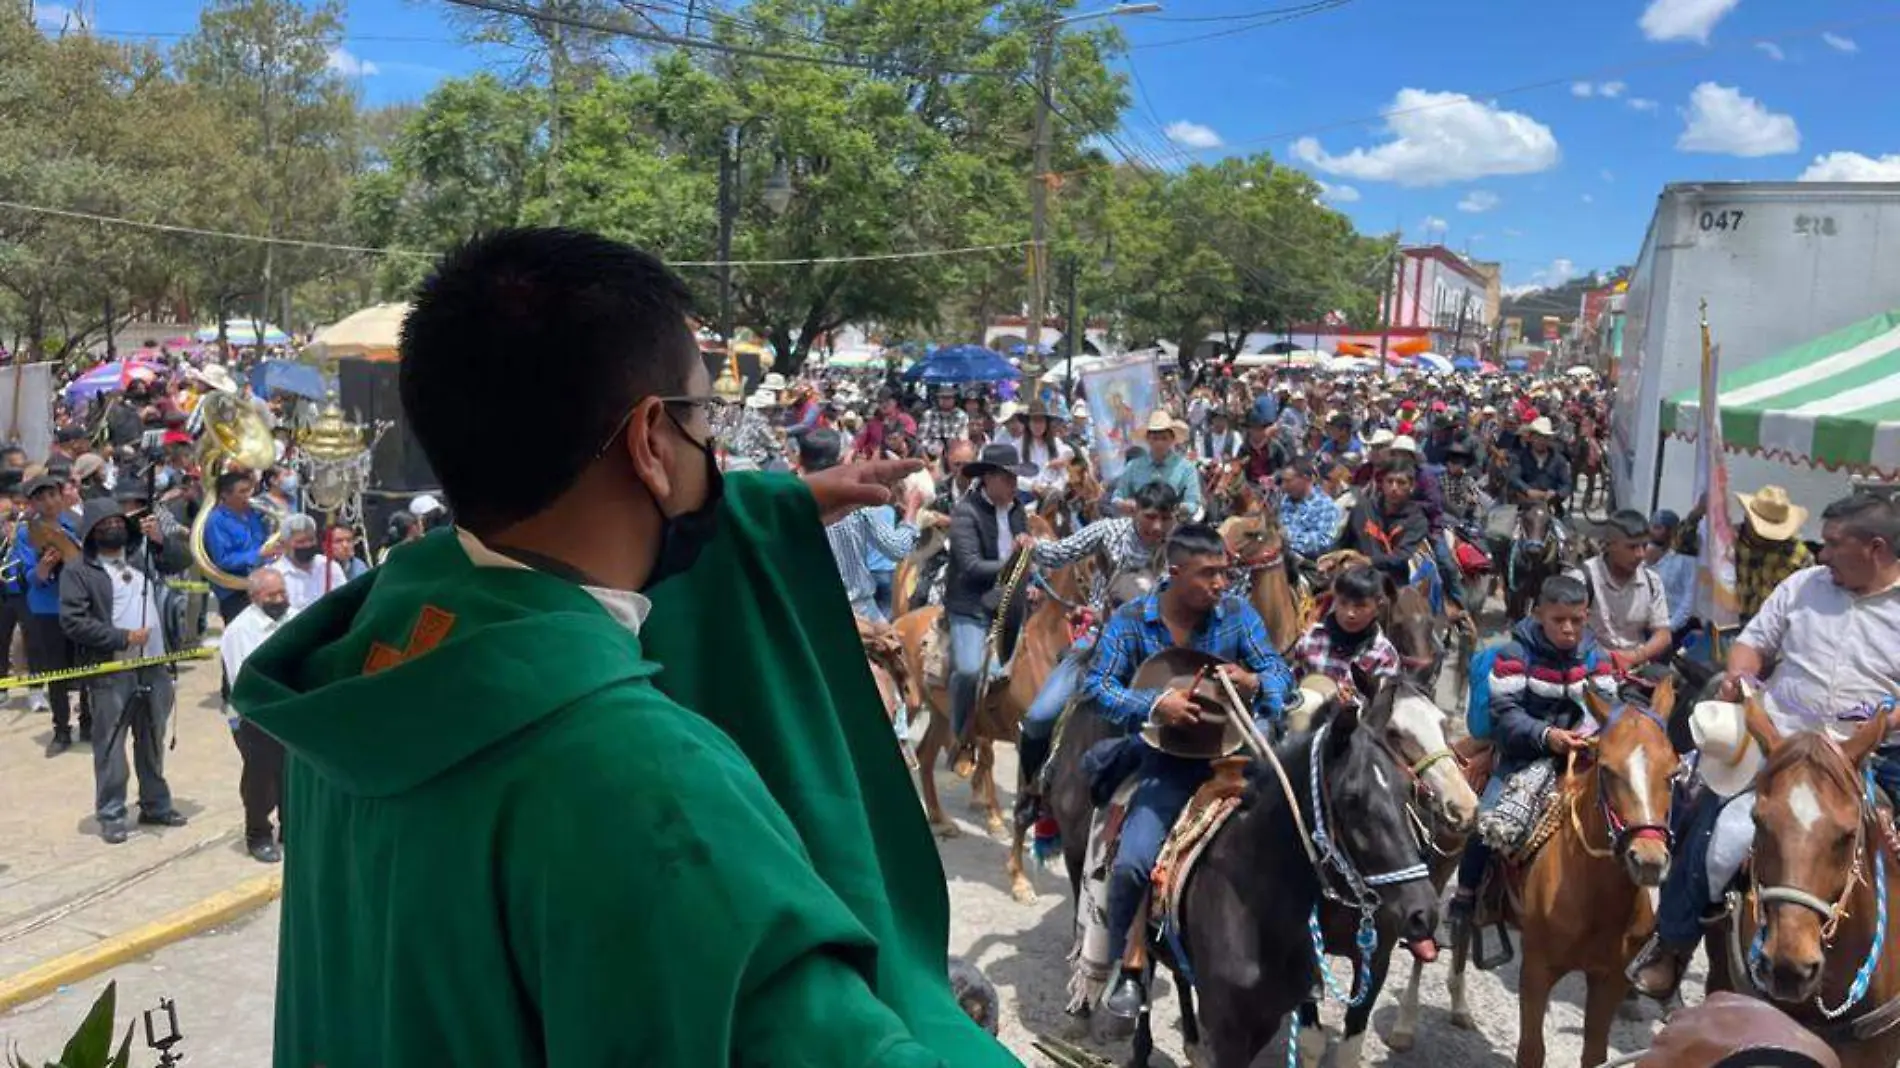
x=1817 y=750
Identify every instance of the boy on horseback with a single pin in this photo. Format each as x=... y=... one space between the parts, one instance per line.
x=1389 y=527
x=1192 y=609
x=1350 y=639
x=1536 y=684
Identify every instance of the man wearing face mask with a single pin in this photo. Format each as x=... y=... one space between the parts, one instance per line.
x=617 y=714
x=261 y=782
x=109 y=609
x=308 y=574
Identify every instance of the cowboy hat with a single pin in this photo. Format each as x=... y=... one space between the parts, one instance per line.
x=1000 y=458
x=761 y=400
x=772 y=381
x=1038 y=408
x=217 y=377
x=1541 y=427
x=1160 y=422
x=1730 y=755
x=1311 y=696
x=1007 y=411
x=1771 y=515
x=1404 y=443
x=1080 y=410
x=1379 y=437
x=1217 y=734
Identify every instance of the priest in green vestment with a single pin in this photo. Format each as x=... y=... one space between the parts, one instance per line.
x=597 y=777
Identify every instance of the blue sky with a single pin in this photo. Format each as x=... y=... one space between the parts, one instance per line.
x=1535 y=132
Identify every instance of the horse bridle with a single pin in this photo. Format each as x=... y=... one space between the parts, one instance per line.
x=1422 y=792
x=1363 y=888
x=1623 y=834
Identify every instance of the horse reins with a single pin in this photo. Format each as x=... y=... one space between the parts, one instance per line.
x=1622 y=833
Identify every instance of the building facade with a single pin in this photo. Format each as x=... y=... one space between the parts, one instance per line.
x=1441 y=293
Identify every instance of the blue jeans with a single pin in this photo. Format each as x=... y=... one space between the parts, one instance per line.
x=881 y=593
x=1168 y=784
x=1450 y=578
x=1055 y=694
x=1477 y=854
x=968 y=635
x=1685 y=892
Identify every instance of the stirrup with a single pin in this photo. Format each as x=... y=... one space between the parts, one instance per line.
x=1505 y=954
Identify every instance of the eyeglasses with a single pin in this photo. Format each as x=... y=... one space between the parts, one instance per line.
x=721 y=417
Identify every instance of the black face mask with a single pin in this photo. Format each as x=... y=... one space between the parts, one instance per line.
x=274 y=609
x=682 y=536
x=111 y=539
x=303 y=554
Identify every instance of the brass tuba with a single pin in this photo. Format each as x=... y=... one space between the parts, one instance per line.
x=235 y=436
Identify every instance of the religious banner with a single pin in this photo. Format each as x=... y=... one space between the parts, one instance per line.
x=1120 y=399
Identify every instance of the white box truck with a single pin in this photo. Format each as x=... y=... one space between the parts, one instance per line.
x=1780 y=264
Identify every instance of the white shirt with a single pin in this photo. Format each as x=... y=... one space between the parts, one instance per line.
x=1836 y=655
x=244 y=634
x=1005 y=538
x=628 y=607
x=133 y=605
x=305 y=585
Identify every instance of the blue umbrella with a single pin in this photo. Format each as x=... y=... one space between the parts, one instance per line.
x=1517 y=365
x=288 y=376
x=961 y=363
x=1464 y=363
x=1022 y=347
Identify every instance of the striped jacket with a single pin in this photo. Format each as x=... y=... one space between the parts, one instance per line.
x=1536 y=686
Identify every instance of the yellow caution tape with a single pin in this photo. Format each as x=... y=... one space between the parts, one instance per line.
x=189 y=585
x=110 y=667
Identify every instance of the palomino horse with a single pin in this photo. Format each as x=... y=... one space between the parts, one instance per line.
x=1039 y=647
x=1438 y=803
x=1536 y=554
x=1331 y=823
x=1586 y=900
x=1816 y=919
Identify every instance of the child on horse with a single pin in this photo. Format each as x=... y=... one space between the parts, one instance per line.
x=1536 y=683
x=1349 y=638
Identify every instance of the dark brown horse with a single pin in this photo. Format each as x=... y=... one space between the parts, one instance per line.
x=1822 y=894
x=1536 y=553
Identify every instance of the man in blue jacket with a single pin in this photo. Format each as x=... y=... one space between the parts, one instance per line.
x=235 y=536
x=46 y=645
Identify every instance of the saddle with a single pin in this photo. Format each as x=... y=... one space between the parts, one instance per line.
x=1497 y=906
x=1206 y=812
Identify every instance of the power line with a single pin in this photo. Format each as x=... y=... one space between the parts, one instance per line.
x=228 y=235
x=1305 y=11
x=690 y=43
x=1243 y=16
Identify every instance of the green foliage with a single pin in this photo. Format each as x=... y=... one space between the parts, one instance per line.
x=91 y=1045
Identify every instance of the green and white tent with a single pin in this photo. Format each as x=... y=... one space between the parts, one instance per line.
x=1833 y=402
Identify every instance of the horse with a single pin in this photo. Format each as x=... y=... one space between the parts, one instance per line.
x=1586 y=464
x=1815 y=918
x=1040 y=645
x=910 y=570
x=1075 y=502
x=1438 y=804
x=1257 y=546
x=1535 y=555
x=1331 y=825
x=1582 y=906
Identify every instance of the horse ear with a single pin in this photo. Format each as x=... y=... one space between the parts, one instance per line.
x=1596 y=704
x=1340 y=728
x=1383 y=699
x=1760 y=727
x=1865 y=740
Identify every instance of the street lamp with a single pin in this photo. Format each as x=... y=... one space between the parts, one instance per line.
x=777 y=193
x=1039 y=180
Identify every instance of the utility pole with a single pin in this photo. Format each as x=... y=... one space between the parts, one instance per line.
x=728 y=207
x=1039 y=190
x=1073 y=336
x=1388 y=307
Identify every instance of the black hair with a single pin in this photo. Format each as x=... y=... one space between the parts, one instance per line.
x=1359 y=584
x=1303 y=467
x=1157 y=496
x=1398 y=464
x=1194 y=539
x=1629 y=523
x=1563 y=590
x=1866 y=516
x=228 y=480
x=570 y=327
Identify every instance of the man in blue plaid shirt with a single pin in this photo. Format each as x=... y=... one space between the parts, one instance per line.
x=1192 y=608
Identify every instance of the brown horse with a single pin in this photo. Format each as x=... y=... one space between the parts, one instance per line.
x=910 y=569
x=1535 y=555
x=1257 y=546
x=1586 y=900
x=1824 y=850
x=1040 y=646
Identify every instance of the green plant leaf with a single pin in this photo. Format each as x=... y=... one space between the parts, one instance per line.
x=125 y=1048
x=92 y=1043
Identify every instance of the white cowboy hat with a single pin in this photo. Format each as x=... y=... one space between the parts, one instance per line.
x=1403 y=443
x=1730 y=756
x=1160 y=422
x=760 y=401
x=424 y=505
x=1080 y=410
x=1380 y=437
x=1541 y=427
x=773 y=381
x=1008 y=411
x=1772 y=515
x=217 y=376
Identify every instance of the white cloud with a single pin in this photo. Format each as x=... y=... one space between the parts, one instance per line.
x=1612 y=89
x=1510 y=232
x=1560 y=271
x=1435 y=225
x=1638 y=103
x=53 y=16
x=1852 y=167
x=1839 y=43
x=1193 y=135
x=1479 y=201
x=1582 y=89
x=1724 y=122
x=349 y=65
x=1338 y=194
x=1683 y=20
x=1771 y=50
x=1588 y=199
x=1607 y=174
x=1440 y=138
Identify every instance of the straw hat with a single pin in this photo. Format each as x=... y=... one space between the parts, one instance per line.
x=1404 y=443
x=216 y=376
x=773 y=381
x=1160 y=422
x=1379 y=437
x=1541 y=427
x=761 y=400
x=1730 y=756
x=1008 y=411
x=1772 y=515
x=1080 y=410
x=1038 y=408
x=1217 y=734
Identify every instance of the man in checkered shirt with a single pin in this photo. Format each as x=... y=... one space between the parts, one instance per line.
x=943 y=424
x=1130 y=544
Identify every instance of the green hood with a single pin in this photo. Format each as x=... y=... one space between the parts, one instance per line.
x=380 y=733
